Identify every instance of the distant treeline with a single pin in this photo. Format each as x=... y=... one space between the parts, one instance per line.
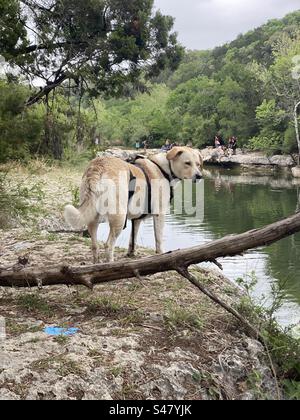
x=247 y=88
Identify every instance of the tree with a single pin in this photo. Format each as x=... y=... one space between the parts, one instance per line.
x=20 y=128
x=272 y=122
x=282 y=81
x=100 y=44
x=296 y=122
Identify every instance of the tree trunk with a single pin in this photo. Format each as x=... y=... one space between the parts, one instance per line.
x=177 y=260
x=297 y=130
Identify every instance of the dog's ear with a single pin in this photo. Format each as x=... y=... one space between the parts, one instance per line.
x=174 y=153
x=201 y=159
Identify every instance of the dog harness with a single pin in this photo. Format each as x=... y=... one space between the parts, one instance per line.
x=132 y=186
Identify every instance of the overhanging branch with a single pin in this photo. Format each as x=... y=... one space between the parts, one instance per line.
x=46 y=90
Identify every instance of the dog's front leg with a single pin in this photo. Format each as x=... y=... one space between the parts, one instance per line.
x=159 y=223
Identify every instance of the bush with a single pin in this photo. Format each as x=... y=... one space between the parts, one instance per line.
x=20 y=128
x=17 y=200
x=271 y=143
x=289 y=143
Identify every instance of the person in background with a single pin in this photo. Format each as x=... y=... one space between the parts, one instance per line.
x=219 y=142
x=137 y=145
x=145 y=145
x=232 y=145
x=167 y=146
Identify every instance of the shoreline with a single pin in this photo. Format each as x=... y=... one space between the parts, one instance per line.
x=255 y=159
x=212 y=157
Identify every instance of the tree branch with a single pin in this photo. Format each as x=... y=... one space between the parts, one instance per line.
x=46 y=90
x=172 y=261
x=252 y=330
x=50 y=46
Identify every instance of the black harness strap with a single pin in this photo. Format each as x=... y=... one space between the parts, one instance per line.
x=131 y=191
x=149 y=191
x=170 y=178
x=132 y=186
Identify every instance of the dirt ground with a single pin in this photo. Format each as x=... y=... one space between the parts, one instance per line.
x=151 y=338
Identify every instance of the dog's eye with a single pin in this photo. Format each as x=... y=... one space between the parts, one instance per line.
x=188 y=163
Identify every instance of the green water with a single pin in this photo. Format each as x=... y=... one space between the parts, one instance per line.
x=236 y=201
x=240 y=203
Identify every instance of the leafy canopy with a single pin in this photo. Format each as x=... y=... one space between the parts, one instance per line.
x=98 y=44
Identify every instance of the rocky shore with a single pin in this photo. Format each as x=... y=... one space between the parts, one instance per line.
x=214 y=156
x=152 y=338
x=211 y=156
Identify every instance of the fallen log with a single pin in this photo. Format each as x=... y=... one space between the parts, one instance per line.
x=83 y=232
x=179 y=261
x=103 y=273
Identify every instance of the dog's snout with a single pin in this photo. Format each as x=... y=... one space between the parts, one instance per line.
x=197 y=177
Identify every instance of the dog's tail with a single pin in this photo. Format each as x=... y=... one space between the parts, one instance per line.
x=78 y=218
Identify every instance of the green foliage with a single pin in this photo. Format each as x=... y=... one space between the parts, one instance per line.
x=289 y=143
x=182 y=318
x=12 y=29
x=244 y=88
x=269 y=142
x=75 y=191
x=17 y=199
x=292 y=390
x=20 y=129
x=33 y=303
x=283 y=347
x=99 y=45
x=146 y=117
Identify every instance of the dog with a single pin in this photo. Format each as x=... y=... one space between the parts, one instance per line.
x=116 y=191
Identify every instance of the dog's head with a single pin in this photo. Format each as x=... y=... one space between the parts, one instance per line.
x=186 y=163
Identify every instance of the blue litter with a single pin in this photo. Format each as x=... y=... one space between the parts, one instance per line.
x=56 y=331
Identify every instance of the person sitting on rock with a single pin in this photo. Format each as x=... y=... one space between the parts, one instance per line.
x=232 y=145
x=167 y=146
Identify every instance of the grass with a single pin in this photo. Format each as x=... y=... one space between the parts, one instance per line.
x=208 y=382
x=75 y=192
x=134 y=318
x=104 y=305
x=33 y=303
x=15 y=328
x=178 y=317
x=61 y=364
x=61 y=340
x=116 y=371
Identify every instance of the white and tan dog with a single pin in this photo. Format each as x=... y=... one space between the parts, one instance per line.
x=114 y=190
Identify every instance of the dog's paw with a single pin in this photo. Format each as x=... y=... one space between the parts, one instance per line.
x=131 y=255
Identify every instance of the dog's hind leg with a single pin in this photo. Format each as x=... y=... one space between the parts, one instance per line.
x=133 y=237
x=116 y=224
x=159 y=223
x=93 y=230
